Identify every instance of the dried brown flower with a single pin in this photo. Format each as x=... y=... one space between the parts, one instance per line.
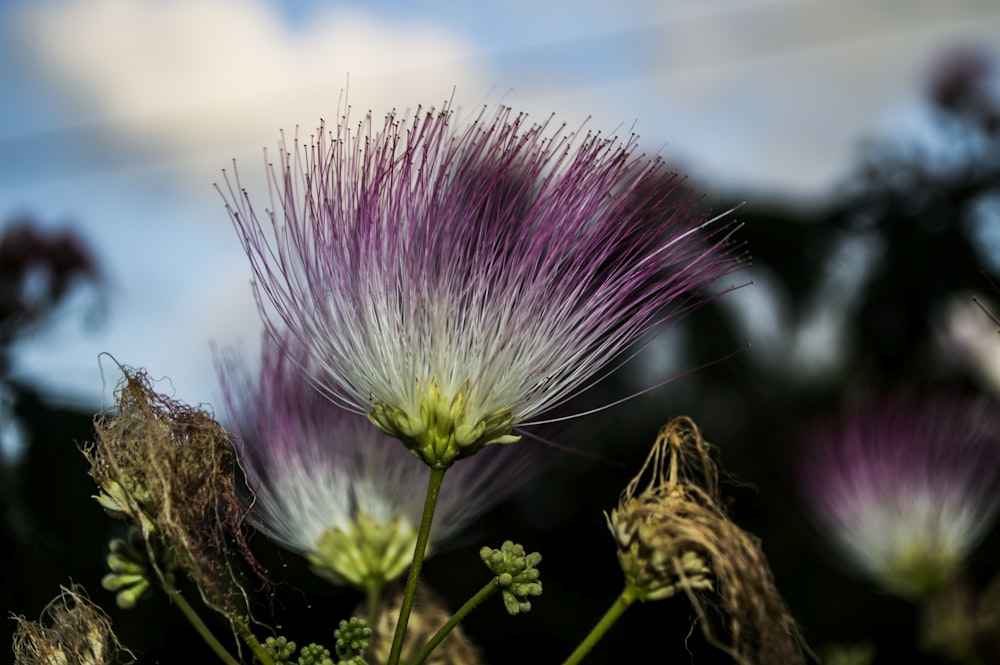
x=71 y=631
x=169 y=468
x=673 y=535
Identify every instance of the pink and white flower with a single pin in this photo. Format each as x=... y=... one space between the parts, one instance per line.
x=906 y=485
x=455 y=283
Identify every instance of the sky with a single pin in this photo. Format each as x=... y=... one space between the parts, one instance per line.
x=119 y=115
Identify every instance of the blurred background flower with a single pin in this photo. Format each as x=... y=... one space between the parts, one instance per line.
x=905 y=485
x=326 y=484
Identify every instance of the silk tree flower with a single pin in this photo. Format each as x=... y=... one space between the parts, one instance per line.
x=905 y=485
x=328 y=485
x=455 y=283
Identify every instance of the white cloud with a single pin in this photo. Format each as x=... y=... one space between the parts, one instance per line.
x=191 y=77
x=757 y=92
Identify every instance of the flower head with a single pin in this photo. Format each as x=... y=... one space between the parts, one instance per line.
x=905 y=485
x=330 y=486
x=453 y=284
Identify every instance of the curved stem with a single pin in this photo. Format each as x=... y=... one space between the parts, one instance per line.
x=199 y=625
x=423 y=535
x=456 y=619
x=622 y=603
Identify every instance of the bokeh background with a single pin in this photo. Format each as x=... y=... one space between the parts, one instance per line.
x=862 y=140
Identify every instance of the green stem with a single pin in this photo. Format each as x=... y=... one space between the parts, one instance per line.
x=626 y=598
x=373 y=593
x=199 y=625
x=258 y=650
x=456 y=619
x=423 y=535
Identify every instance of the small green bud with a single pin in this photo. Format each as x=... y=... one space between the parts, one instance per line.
x=127 y=598
x=513 y=605
x=516 y=575
x=124 y=566
x=117 y=582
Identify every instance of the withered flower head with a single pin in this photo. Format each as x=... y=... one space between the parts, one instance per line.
x=72 y=631
x=169 y=468
x=673 y=536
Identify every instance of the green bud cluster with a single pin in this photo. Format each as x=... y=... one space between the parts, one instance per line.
x=279 y=649
x=352 y=639
x=364 y=553
x=919 y=570
x=130 y=573
x=315 y=654
x=516 y=575
x=443 y=427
